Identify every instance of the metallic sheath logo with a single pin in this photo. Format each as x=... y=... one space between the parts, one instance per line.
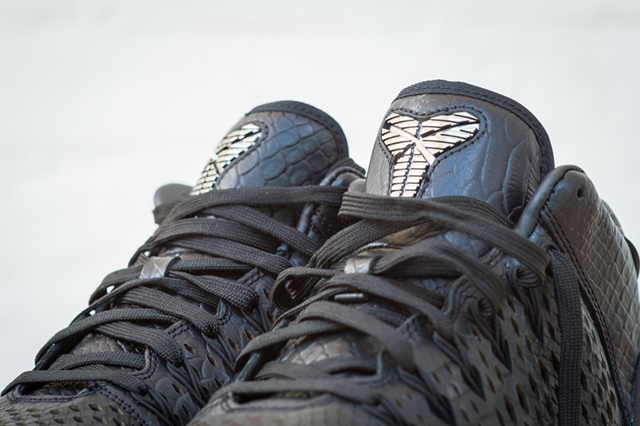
x=416 y=144
x=234 y=144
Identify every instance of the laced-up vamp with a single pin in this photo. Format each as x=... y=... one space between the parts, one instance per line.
x=380 y=290
x=234 y=238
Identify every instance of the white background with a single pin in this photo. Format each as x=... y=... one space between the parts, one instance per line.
x=102 y=101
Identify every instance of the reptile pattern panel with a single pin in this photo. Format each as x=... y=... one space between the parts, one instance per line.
x=489 y=166
x=210 y=359
x=293 y=151
x=598 y=403
x=321 y=411
x=600 y=254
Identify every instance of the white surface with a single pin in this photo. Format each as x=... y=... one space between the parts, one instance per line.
x=101 y=102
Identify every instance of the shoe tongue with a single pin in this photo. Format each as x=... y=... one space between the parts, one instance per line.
x=444 y=138
x=283 y=143
x=226 y=156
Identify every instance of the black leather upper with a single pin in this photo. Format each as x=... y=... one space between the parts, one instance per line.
x=293 y=150
x=299 y=145
x=506 y=370
x=501 y=164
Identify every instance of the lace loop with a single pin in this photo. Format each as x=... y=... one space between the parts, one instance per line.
x=389 y=304
x=219 y=256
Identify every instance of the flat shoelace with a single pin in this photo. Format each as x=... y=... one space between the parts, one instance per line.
x=320 y=299
x=239 y=237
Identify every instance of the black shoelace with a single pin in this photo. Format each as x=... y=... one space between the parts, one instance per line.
x=321 y=298
x=239 y=238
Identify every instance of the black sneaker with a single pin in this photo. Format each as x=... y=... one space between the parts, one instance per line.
x=159 y=337
x=479 y=285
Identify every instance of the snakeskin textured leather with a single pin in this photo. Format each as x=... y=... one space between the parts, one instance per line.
x=481 y=167
x=508 y=372
x=580 y=225
x=293 y=151
x=299 y=145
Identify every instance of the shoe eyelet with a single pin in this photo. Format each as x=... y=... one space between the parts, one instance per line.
x=580 y=193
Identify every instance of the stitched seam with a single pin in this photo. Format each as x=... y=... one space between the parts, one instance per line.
x=264 y=128
x=466 y=144
x=454 y=150
x=593 y=307
x=13 y=397
x=548 y=198
x=153 y=365
x=122 y=403
x=387 y=154
x=603 y=333
x=488 y=95
x=447 y=152
x=311 y=113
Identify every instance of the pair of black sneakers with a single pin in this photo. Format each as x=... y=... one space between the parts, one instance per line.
x=466 y=281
